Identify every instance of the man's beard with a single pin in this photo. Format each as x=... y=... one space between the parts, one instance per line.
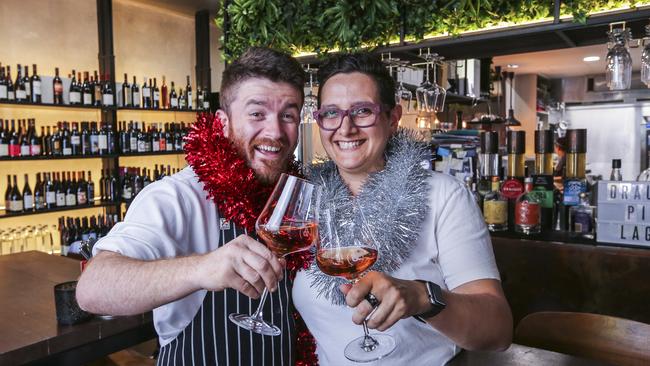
x=270 y=171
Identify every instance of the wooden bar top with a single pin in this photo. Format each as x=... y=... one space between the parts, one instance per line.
x=29 y=330
x=518 y=355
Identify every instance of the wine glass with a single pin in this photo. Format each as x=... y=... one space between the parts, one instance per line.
x=403 y=95
x=288 y=224
x=347 y=249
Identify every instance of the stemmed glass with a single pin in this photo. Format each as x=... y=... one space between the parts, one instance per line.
x=403 y=95
x=347 y=249
x=288 y=224
x=421 y=91
x=436 y=94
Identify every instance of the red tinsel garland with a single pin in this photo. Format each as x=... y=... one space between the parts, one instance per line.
x=240 y=197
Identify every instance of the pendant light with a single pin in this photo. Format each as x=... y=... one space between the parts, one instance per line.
x=511 y=120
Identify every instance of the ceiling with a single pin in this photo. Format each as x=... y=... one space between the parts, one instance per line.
x=564 y=62
x=186 y=7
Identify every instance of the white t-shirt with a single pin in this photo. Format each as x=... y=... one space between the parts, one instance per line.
x=454 y=248
x=168 y=218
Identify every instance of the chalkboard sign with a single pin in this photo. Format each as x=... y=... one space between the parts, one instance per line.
x=624 y=213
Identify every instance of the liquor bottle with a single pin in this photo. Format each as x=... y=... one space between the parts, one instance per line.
x=495 y=208
x=543 y=188
x=28 y=85
x=21 y=93
x=57 y=87
x=199 y=98
x=581 y=218
x=155 y=139
x=87 y=90
x=133 y=137
x=82 y=189
x=93 y=136
x=146 y=95
x=136 y=182
x=28 y=196
x=15 y=199
x=182 y=100
x=55 y=141
x=188 y=94
x=50 y=192
x=39 y=193
x=110 y=138
x=103 y=141
x=616 y=170
x=173 y=98
x=24 y=140
x=85 y=139
x=169 y=141
x=155 y=95
x=102 y=185
x=59 y=189
x=124 y=143
x=513 y=186
x=178 y=139
x=574 y=180
x=528 y=211
x=90 y=188
x=8 y=194
x=107 y=92
x=97 y=90
x=71 y=190
x=489 y=161
x=14 y=141
x=142 y=139
x=127 y=187
x=127 y=95
x=3 y=85
x=36 y=142
x=75 y=139
x=46 y=141
x=4 y=138
x=74 y=91
x=11 y=94
x=146 y=178
x=206 y=99
x=164 y=97
x=135 y=94
x=36 y=86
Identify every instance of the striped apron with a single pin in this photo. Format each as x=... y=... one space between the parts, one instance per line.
x=212 y=339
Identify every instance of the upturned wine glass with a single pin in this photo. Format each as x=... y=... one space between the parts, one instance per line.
x=347 y=249
x=288 y=224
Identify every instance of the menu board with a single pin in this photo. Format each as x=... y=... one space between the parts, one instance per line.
x=624 y=213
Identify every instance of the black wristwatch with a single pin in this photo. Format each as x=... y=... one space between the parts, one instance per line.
x=435 y=298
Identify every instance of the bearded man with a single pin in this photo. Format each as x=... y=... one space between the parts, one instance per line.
x=186 y=248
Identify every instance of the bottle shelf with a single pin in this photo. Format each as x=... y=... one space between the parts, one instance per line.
x=73 y=157
x=4 y=214
x=159 y=110
x=153 y=153
x=50 y=105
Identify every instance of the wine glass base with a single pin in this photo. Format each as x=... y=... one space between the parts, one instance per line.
x=355 y=351
x=257 y=326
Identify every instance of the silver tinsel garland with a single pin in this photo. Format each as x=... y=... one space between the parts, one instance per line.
x=394 y=202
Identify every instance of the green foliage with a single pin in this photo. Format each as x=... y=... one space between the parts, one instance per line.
x=323 y=25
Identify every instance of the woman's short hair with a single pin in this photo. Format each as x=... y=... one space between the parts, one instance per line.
x=364 y=63
x=260 y=62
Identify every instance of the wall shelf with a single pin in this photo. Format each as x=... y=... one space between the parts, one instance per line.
x=58 y=157
x=5 y=215
x=55 y=106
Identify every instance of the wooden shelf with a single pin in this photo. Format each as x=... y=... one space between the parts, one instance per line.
x=58 y=157
x=56 y=106
x=4 y=214
x=153 y=153
x=159 y=110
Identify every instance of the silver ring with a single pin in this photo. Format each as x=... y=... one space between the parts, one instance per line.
x=372 y=299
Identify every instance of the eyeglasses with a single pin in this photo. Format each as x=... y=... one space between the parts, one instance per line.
x=361 y=115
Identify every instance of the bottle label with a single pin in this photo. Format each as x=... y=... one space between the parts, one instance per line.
x=174 y=102
x=60 y=199
x=28 y=202
x=543 y=196
x=21 y=94
x=39 y=203
x=94 y=144
x=11 y=95
x=91 y=193
x=15 y=205
x=88 y=99
x=162 y=145
x=14 y=150
x=36 y=85
x=67 y=151
x=527 y=213
x=24 y=150
x=206 y=105
x=4 y=150
x=142 y=146
x=581 y=223
x=189 y=100
x=107 y=99
x=35 y=150
x=572 y=190
x=126 y=193
x=495 y=212
x=70 y=199
x=102 y=141
x=155 y=146
x=75 y=140
x=512 y=188
x=136 y=99
x=169 y=147
x=146 y=92
x=156 y=95
x=133 y=142
x=129 y=98
x=58 y=89
x=81 y=198
x=75 y=97
x=50 y=197
x=28 y=89
x=3 y=92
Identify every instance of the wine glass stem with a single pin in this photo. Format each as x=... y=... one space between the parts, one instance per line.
x=259 y=313
x=369 y=344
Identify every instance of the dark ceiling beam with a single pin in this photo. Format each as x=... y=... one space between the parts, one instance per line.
x=565 y=38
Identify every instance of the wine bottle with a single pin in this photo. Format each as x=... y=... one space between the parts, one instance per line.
x=156 y=95
x=163 y=94
x=137 y=182
x=11 y=94
x=102 y=141
x=188 y=94
x=71 y=190
x=28 y=84
x=85 y=139
x=66 y=143
x=47 y=141
x=107 y=92
x=173 y=98
x=142 y=139
x=21 y=92
x=36 y=142
x=94 y=139
x=155 y=139
x=74 y=90
x=24 y=139
x=181 y=99
x=57 y=87
x=82 y=189
x=50 y=192
x=3 y=85
x=8 y=194
x=135 y=94
x=14 y=141
x=87 y=89
x=127 y=95
x=90 y=189
x=162 y=141
x=35 y=86
x=133 y=137
x=39 y=196
x=4 y=137
x=57 y=149
x=75 y=139
x=146 y=95
x=15 y=199
x=97 y=90
x=60 y=188
x=125 y=145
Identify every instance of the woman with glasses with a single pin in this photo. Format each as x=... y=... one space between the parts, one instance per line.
x=435 y=287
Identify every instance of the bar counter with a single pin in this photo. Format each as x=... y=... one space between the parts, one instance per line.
x=29 y=330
